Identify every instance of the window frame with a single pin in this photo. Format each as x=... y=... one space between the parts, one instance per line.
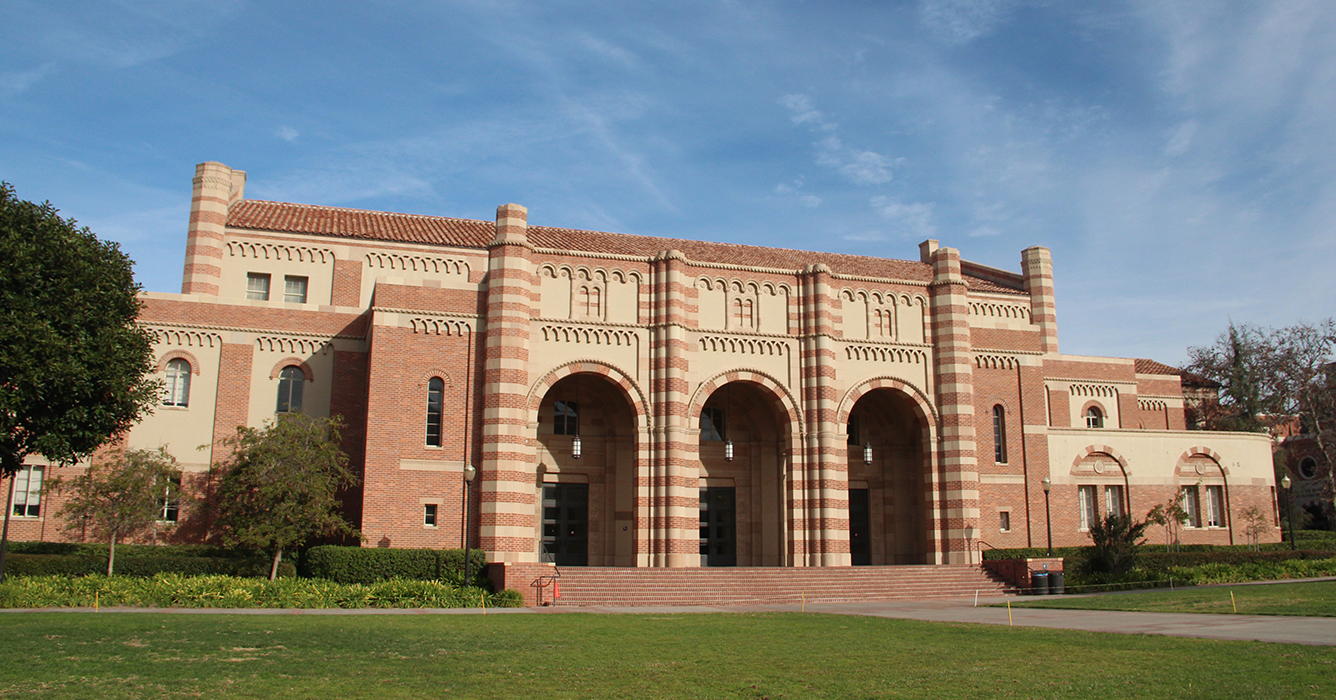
x=712 y=424
x=1191 y=507
x=565 y=417
x=1004 y=520
x=1094 y=418
x=1115 y=499
x=24 y=498
x=1215 y=505
x=999 y=434
x=253 y=292
x=430 y=515
x=1087 y=506
x=176 y=391
x=292 y=298
x=294 y=380
x=435 y=436
x=169 y=506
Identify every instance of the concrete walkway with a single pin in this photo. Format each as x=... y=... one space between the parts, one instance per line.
x=1262 y=628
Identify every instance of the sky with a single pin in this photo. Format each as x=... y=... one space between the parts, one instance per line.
x=1176 y=157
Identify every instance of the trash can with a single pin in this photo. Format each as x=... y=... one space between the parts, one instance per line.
x=1057 y=584
x=1038 y=583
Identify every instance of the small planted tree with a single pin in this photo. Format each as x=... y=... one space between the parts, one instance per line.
x=1171 y=515
x=121 y=497
x=1254 y=526
x=280 y=487
x=1117 y=539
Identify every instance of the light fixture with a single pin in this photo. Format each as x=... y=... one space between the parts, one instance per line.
x=469 y=472
x=1285 y=483
x=575 y=447
x=1047 y=483
x=867 y=453
x=728 y=450
x=576 y=450
x=728 y=439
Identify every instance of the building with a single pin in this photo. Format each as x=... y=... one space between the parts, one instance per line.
x=647 y=402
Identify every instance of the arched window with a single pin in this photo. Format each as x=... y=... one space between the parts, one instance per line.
x=178 y=384
x=435 y=410
x=999 y=434
x=290 y=384
x=1094 y=417
x=595 y=303
x=582 y=300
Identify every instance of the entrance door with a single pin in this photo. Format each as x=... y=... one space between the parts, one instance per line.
x=566 y=523
x=718 y=532
x=860 y=528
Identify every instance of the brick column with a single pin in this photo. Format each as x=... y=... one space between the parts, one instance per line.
x=674 y=484
x=827 y=463
x=507 y=518
x=216 y=186
x=958 y=478
x=1037 y=265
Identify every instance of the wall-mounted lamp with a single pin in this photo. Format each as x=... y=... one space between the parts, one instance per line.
x=867 y=453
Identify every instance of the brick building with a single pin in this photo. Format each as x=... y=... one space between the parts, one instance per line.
x=732 y=405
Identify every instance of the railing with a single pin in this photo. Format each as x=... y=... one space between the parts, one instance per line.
x=542 y=582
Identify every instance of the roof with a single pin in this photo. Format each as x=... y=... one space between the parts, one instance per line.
x=469 y=233
x=1153 y=367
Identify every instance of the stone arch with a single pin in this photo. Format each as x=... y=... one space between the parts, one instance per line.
x=776 y=388
x=1199 y=451
x=177 y=355
x=614 y=374
x=1100 y=449
x=927 y=413
x=292 y=362
x=427 y=374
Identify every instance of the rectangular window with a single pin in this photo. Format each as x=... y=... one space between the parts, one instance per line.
x=169 y=506
x=1113 y=500
x=1004 y=518
x=429 y=515
x=257 y=286
x=1215 y=506
x=1089 y=508
x=28 y=491
x=294 y=289
x=712 y=424
x=999 y=435
x=565 y=418
x=1191 y=507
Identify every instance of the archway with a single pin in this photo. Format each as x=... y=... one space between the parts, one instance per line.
x=744 y=438
x=587 y=500
x=888 y=478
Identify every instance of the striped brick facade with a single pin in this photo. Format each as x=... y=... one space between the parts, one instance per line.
x=878 y=411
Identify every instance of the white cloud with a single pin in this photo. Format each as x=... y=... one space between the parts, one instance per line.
x=19 y=81
x=810 y=201
x=961 y=21
x=1181 y=140
x=287 y=133
x=865 y=237
x=867 y=168
x=860 y=167
x=912 y=220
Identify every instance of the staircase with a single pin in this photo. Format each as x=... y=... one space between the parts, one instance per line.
x=614 y=586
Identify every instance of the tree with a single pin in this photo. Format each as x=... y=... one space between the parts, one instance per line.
x=1171 y=515
x=1254 y=526
x=1242 y=363
x=121 y=497
x=75 y=370
x=1117 y=538
x=280 y=487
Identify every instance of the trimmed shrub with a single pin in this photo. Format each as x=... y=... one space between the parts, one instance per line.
x=369 y=565
x=126 y=550
x=139 y=566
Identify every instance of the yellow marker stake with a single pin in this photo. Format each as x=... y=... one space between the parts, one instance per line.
x=483 y=598
x=1235 y=602
x=94 y=601
x=1008 y=613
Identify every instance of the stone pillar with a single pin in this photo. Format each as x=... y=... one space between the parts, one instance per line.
x=508 y=512
x=675 y=490
x=827 y=465
x=1037 y=266
x=216 y=187
x=957 y=497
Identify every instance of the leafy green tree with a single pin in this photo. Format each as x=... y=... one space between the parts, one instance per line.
x=1117 y=538
x=280 y=487
x=1171 y=515
x=120 y=497
x=75 y=370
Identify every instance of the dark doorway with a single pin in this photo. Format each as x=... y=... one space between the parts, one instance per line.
x=860 y=528
x=566 y=523
x=718 y=531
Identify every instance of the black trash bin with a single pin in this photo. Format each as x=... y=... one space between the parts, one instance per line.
x=1039 y=583
x=1057 y=584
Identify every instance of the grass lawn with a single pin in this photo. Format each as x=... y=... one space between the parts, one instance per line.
x=1316 y=599
x=628 y=656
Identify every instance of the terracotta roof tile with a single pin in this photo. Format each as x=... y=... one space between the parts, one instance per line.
x=1153 y=367
x=468 y=233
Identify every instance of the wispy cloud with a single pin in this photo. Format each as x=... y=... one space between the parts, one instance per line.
x=858 y=166
x=962 y=21
x=286 y=133
x=912 y=220
x=19 y=81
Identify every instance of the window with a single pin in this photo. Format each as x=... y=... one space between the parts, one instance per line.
x=1308 y=468
x=853 y=430
x=257 y=286
x=169 y=506
x=1004 y=518
x=565 y=418
x=178 y=384
x=290 y=383
x=712 y=424
x=294 y=289
x=1215 y=506
x=429 y=515
x=1094 y=418
x=1191 y=507
x=1086 y=502
x=1113 y=500
x=435 y=410
x=999 y=434
x=28 y=491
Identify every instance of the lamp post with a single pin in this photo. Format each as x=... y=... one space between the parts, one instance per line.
x=1048 y=513
x=469 y=473
x=1289 y=508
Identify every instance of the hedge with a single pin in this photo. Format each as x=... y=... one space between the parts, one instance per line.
x=140 y=565
x=176 y=590
x=369 y=565
x=126 y=550
x=1318 y=542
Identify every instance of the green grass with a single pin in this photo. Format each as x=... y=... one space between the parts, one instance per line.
x=1317 y=599
x=625 y=656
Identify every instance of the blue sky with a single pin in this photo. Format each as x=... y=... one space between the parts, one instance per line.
x=1176 y=157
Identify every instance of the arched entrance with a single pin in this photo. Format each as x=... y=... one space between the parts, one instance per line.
x=744 y=439
x=587 y=499
x=888 y=480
